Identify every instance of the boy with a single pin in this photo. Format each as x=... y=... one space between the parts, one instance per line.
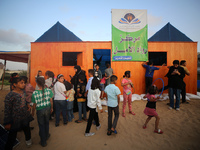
x=112 y=94
x=175 y=82
x=91 y=75
x=149 y=73
x=81 y=99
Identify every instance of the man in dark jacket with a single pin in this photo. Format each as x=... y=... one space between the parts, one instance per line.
x=175 y=82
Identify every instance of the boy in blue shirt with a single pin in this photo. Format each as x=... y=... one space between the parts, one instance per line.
x=112 y=95
x=149 y=73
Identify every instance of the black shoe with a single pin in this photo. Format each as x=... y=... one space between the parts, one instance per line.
x=56 y=125
x=65 y=123
x=109 y=132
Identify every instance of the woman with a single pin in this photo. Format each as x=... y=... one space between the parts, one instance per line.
x=75 y=82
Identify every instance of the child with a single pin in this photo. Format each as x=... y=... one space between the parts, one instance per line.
x=16 y=114
x=60 y=100
x=91 y=75
x=13 y=75
x=70 y=100
x=43 y=103
x=29 y=89
x=93 y=101
x=150 y=109
x=81 y=99
x=112 y=94
x=149 y=73
x=49 y=83
x=127 y=92
x=39 y=74
x=102 y=86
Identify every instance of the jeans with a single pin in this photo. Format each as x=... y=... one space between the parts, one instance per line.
x=110 y=113
x=70 y=110
x=93 y=115
x=82 y=109
x=61 y=106
x=13 y=134
x=43 y=123
x=177 y=92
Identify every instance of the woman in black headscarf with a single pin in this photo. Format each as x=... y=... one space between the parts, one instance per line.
x=75 y=82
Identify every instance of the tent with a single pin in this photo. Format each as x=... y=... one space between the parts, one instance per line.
x=18 y=56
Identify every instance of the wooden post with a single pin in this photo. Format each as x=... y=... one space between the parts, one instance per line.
x=4 y=70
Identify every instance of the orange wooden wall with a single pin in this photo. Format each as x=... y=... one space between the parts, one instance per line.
x=48 y=56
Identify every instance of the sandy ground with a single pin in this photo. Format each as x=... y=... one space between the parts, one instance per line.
x=181 y=131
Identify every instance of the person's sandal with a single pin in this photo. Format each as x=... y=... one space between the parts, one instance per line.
x=123 y=115
x=130 y=112
x=109 y=132
x=144 y=127
x=78 y=121
x=158 y=131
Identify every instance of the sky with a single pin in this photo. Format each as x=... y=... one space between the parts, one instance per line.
x=24 y=21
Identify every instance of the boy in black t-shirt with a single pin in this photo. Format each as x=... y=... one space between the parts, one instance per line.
x=81 y=99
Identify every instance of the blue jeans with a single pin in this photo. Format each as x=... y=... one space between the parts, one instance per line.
x=82 y=109
x=177 y=92
x=61 y=106
x=70 y=110
x=43 y=122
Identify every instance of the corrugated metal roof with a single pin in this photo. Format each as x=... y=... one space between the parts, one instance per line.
x=58 y=33
x=169 y=33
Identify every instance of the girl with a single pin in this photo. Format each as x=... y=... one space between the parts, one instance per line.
x=127 y=92
x=70 y=100
x=39 y=74
x=102 y=86
x=42 y=102
x=59 y=98
x=13 y=75
x=93 y=101
x=49 y=83
x=16 y=114
x=150 y=109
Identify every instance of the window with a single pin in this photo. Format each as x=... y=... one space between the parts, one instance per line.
x=158 y=58
x=72 y=58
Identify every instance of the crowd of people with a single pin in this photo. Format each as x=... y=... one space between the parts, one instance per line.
x=53 y=96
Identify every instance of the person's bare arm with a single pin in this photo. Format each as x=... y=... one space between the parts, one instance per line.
x=118 y=99
x=51 y=101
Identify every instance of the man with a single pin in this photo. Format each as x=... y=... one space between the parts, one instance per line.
x=175 y=82
x=183 y=92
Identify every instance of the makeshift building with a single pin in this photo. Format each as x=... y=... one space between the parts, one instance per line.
x=59 y=50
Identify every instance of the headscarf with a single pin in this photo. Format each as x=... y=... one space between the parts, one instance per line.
x=78 y=69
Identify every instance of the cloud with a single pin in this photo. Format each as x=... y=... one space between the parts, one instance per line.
x=12 y=38
x=154 y=20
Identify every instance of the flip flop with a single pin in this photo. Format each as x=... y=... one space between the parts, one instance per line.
x=109 y=132
x=123 y=115
x=130 y=112
x=114 y=131
x=78 y=121
x=158 y=131
x=144 y=127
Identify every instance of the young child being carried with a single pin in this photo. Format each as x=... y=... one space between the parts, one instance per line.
x=127 y=92
x=81 y=99
x=93 y=102
x=150 y=109
x=112 y=94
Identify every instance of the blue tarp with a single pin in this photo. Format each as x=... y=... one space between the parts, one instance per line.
x=58 y=33
x=169 y=33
